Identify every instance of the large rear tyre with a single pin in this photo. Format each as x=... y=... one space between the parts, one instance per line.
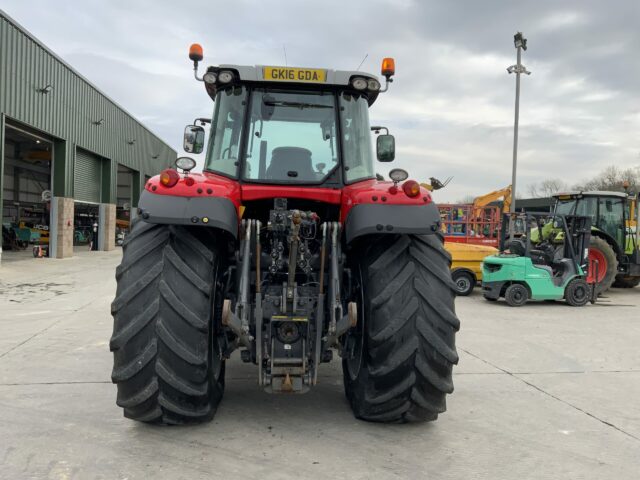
x=166 y=359
x=607 y=264
x=399 y=360
x=626 y=282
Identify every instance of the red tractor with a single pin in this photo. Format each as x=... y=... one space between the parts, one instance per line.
x=286 y=248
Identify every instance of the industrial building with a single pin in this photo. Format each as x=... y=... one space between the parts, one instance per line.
x=72 y=161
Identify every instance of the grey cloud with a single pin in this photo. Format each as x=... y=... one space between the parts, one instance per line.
x=451 y=106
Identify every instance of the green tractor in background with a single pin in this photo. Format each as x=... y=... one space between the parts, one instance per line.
x=614 y=234
x=549 y=262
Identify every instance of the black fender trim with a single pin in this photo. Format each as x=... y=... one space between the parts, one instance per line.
x=367 y=219
x=492 y=289
x=172 y=210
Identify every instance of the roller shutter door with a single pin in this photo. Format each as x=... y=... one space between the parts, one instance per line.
x=87 y=177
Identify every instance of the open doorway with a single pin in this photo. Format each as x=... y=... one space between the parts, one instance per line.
x=26 y=198
x=86 y=225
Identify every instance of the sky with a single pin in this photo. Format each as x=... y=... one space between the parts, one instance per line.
x=451 y=105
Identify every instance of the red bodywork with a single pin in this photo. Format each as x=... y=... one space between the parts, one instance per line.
x=211 y=185
x=462 y=223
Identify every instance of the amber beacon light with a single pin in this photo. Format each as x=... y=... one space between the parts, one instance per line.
x=195 y=52
x=388 y=67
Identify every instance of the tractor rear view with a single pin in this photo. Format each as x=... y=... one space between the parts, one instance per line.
x=287 y=249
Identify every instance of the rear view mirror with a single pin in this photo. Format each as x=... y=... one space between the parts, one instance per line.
x=386 y=148
x=193 y=139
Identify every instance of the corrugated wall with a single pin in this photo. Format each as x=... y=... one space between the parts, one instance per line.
x=68 y=110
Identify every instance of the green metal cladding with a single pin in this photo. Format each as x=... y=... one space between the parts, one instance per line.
x=68 y=112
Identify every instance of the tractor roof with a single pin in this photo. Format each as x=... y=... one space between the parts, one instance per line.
x=593 y=193
x=298 y=76
x=256 y=73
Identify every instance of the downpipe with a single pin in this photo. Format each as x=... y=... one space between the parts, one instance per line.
x=238 y=320
x=339 y=323
x=317 y=352
x=258 y=308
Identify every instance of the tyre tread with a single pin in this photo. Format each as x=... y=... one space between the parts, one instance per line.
x=162 y=362
x=410 y=332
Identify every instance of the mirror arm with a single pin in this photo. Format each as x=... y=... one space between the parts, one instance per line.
x=195 y=72
x=388 y=80
x=377 y=129
x=202 y=121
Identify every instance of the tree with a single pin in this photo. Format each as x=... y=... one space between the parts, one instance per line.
x=547 y=188
x=613 y=178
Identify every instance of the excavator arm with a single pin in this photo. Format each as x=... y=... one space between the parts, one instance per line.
x=484 y=200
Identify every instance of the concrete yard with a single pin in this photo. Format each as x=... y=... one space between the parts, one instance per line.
x=543 y=391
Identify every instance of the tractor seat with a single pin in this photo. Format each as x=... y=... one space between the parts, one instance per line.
x=290 y=163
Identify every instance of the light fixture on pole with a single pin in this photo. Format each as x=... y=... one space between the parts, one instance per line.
x=521 y=44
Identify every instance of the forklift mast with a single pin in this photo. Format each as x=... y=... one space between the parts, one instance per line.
x=554 y=228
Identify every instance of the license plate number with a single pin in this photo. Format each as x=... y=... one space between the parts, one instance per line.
x=289 y=74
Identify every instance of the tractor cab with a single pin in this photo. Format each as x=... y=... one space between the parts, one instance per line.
x=291 y=126
x=615 y=242
x=549 y=262
x=608 y=211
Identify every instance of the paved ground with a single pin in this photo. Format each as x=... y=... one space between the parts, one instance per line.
x=545 y=391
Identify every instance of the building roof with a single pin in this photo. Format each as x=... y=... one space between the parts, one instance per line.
x=592 y=193
x=333 y=77
x=17 y=25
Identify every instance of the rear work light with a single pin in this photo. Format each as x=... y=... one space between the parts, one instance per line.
x=169 y=178
x=411 y=188
x=210 y=78
x=225 y=76
x=373 y=84
x=359 y=83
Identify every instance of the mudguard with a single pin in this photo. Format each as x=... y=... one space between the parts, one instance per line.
x=366 y=219
x=217 y=212
x=596 y=232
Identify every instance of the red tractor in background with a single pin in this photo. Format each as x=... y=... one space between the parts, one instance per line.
x=286 y=248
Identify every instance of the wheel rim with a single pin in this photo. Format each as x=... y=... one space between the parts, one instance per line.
x=462 y=283
x=580 y=292
x=517 y=296
x=596 y=255
x=355 y=338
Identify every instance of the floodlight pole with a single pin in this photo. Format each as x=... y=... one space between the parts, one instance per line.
x=521 y=44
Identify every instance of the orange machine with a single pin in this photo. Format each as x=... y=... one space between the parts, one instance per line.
x=478 y=222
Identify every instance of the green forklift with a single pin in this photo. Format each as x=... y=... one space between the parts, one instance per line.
x=549 y=262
